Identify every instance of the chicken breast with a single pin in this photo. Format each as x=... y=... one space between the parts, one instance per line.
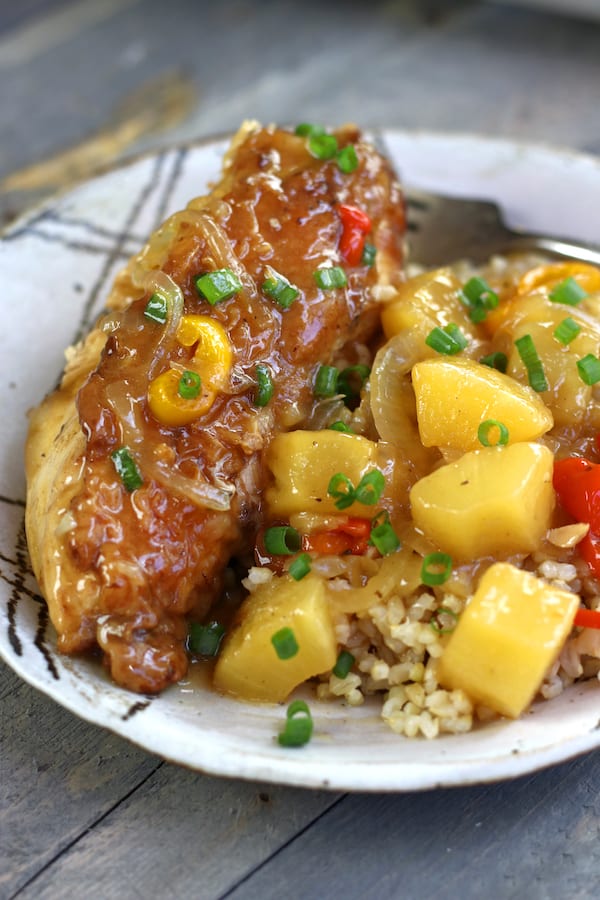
x=144 y=468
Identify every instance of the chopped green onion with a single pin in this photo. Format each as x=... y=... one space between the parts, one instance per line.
x=436 y=568
x=568 y=292
x=347 y=159
x=157 y=309
x=370 y=488
x=285 y=643
x=566 y=331
x=331 y=277
x=340 y=426
x=352 y=380
x=306 y=129
x=205 y=640
x=532 y=362
x=265 y=388
x=189 y=385
x=218 y=285
x=342 y=490
x=127 y=469
x=437 y=621
x=448 y=340
x=326 y=381
x=483 y=432
x=478 y=296
x=282 y=540
x=344 y=663
x=300 y=567
x=383 y=536
x=279 y=288
x=368 y=255
x=322 y=146
x=496 y=360
x=589 y=369
x=298 y=725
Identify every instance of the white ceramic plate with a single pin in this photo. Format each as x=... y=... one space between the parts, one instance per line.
x=57 y=265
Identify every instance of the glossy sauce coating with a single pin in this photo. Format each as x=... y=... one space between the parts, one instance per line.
x=157 y=554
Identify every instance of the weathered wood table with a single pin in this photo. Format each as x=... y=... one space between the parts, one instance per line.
x=86 y=83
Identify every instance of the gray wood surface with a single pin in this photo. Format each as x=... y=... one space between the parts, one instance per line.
x=85 y=83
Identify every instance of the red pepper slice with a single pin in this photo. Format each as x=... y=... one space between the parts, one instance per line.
x=577 y=483
x=355 y=226
x=587 y=618
x=352 y=536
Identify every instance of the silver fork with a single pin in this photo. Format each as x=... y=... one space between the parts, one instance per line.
x=444 y=229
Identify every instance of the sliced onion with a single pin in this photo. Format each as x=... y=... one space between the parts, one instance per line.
x=393 y=401
x=198 y=490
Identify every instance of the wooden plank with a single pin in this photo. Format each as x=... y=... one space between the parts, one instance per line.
x=535 y=837
x=58 y=776
x=181 y=834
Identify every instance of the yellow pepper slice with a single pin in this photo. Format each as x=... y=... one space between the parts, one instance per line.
x=550 y=275
x=212 y=361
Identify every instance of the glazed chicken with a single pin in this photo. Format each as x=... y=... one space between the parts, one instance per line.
x=144 y=468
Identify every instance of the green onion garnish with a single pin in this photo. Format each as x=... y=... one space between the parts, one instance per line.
x=448 y=340
x=370 y=488
x=127 y=469
x=568 y=292
x=589 y=369
x=279 y=288
x=298 y=725
x=383 y=536
x=282 y=540
x=437 y=622
x=368 y=255
x=483 y=433
x=566 y=331
x=352 y=380
x=496 y=360
x=436 y=568
x=330 y=278
x=532 y=362
x=265 y=386
x=157 y=309
x=205 y=640
x=342 y=490
x=218 y=285
x=189 y=385
x=305 y=129
x=347 y=159
x=344 y=663
x=340 y=426
x=285 y=643
x=326 y=381
x=478 y=296
x=300 y=567
x=322 y=146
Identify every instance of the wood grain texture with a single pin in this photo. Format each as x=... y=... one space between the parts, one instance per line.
x=535 y=837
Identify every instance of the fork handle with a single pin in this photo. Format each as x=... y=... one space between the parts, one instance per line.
x=555 y=246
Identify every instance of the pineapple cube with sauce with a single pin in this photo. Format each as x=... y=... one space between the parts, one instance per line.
x=454 y=397
x=506 y=639
x=491 y=502
x=248 y=666
x=303 y=462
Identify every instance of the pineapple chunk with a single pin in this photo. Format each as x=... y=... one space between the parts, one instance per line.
x=424 y=302
x=454 y=396
x=248 y=666
x=491 y=502
x=303 y=463
x=506 y=639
